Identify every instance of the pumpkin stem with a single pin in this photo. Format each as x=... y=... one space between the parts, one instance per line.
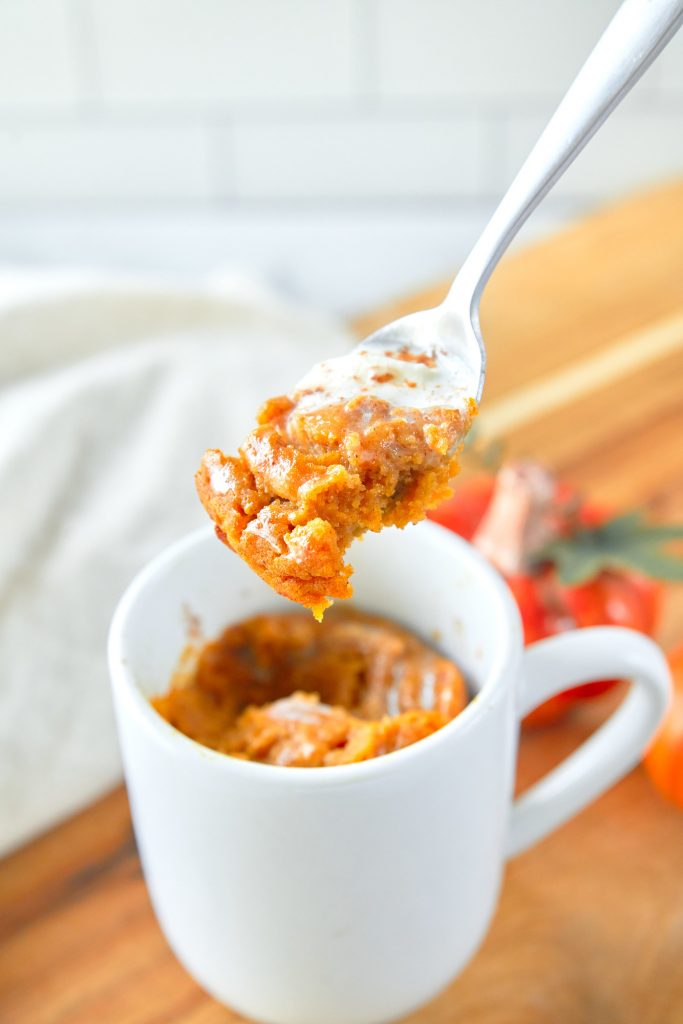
x=521 y=517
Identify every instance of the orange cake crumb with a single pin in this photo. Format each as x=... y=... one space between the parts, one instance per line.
x=307 y=481
x=283 y=690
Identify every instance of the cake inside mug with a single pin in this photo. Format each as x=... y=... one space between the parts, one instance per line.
x=282 y=689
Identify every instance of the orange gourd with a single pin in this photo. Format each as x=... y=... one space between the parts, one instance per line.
x=664 y=760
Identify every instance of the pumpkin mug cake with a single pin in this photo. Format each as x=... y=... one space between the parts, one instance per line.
x=283 y=689
x=348 y=452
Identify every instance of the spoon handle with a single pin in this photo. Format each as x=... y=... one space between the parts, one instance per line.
x=638 y=32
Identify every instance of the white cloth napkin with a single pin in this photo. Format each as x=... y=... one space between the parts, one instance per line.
x=110 y=389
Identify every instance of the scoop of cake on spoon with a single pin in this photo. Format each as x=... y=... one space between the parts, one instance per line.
x=370 y=439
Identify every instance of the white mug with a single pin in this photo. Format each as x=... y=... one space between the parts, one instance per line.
x=354 y=894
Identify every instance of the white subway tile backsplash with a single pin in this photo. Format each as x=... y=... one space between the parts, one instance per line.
x=186 y=52
x=346 y=259
x=93 y=161
x=633 y=149
x=671 y=71
x=366 y=157
x=37 y=67
x=345 y=148
x=495 y=50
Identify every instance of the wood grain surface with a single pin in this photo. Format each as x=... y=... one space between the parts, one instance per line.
x=585 y=341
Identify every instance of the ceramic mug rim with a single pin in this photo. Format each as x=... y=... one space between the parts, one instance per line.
x=506 y=661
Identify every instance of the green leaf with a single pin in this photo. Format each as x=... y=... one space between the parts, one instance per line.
x=664 y=533
x=636 y=526
x=658 y=565
x=627 y=542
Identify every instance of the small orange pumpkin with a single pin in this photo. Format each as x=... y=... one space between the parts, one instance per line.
x=664 y=760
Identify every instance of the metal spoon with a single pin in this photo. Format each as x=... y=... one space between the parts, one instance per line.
x=448 y=337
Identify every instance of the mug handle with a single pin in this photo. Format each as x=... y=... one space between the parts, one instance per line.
x=560 y=662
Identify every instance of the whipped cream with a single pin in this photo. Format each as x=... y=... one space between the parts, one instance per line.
x=402 y=377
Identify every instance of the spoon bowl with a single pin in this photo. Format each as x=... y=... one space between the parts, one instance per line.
x=446 y=336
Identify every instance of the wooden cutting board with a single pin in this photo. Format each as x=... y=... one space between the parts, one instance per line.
x=585 y=340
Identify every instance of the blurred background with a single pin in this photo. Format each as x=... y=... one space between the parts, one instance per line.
x=160 y=162
x=342 y=150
